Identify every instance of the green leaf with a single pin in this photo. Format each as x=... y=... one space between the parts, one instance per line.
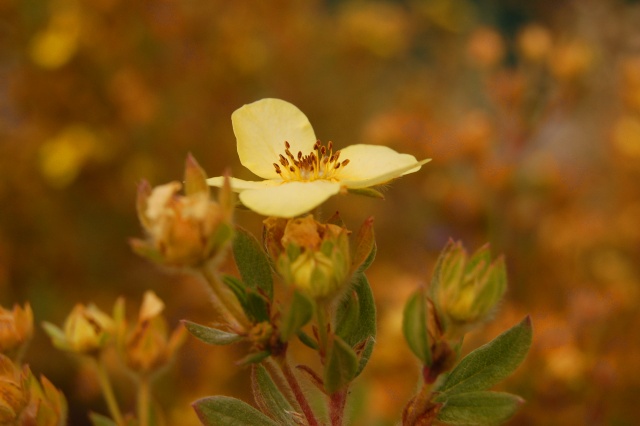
x=347 y=320
x=100 y=420
x=237 y=287
x=307 y=340
x=227 y=411
x=479 y=408
x=299 y=313
x=366 y=320
x=341 y=366
x=209 y=335
x=490 y=363
x=269 y=398
x=256 y=306
x=253 y=358
x=367 y=192
x=414 y=326
x=253 y=262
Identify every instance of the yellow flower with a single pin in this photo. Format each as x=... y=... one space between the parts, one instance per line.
x=86 y=330
x=277 y=143
x=16 y=328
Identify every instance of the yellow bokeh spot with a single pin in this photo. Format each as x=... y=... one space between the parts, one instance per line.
x=626 y=136
x=62 y=157
x=54 y=46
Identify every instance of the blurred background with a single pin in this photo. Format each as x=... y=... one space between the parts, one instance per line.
x=530 y=111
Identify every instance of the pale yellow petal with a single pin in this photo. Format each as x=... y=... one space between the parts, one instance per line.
x=371 y=165
x=289 y=199
x=262 y=127
x=239 y=185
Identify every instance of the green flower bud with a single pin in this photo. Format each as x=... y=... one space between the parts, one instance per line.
x=311 y=257
x=466 y=290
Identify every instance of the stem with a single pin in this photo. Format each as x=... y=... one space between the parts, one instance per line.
x=107 y=392
x=336 y=406
x=419 y=405
x=144 y=398
x=225 y=302
x=297 y=390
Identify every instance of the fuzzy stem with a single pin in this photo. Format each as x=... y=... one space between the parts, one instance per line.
x=107 y=392
x=225 y=303
x=336 y=406
x=297 y=390
x=144 y=399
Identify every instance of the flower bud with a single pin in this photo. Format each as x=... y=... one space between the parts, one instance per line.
x=147 y=347
x=184 y=230
x=14 y=391
x=466 y=290
x=16 y=328
x=311 y=256
x=86 y=330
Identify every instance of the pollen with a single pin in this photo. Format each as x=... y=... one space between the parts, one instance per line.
x=320 y=163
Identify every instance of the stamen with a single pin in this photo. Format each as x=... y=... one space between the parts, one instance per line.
x=320 y=163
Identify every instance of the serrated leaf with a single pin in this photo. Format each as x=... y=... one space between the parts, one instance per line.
x=479 y=408
x=269 y=398
x=253 y=262
x=211 y=336
x=490 y=363
x=366 y=330
x=341 y=366
x=227 y=411
x=414 y=326
x=300 y=312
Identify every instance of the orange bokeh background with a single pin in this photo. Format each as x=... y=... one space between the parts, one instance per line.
x=529 y=110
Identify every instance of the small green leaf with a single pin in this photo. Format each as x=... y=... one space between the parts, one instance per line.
x=256 y=306
x=479 y=408
x=367 y=192
x=341 y=366
x=237 y=287
x=366 y=330
x=210 y=335
x=227 y=411
x=269 y=398
x=490 y=363
x=414 y=326
x=253 y=358
x=253 y=262
x=307 y=340
x=348 y=318
x=299 y=313
x=100 y=420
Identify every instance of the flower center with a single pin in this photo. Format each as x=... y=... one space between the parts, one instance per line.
x=320 y=163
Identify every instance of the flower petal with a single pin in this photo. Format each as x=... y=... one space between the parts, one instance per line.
x=239 y=185
x=289 y=199
x=262 y=127
x=371 y=165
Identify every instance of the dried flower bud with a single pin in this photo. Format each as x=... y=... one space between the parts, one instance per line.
x=14 y=390
x=311 y=256
x=86 y=330
x=184 y=230
x=147 y=347
x=16 y=328
x=466 y=290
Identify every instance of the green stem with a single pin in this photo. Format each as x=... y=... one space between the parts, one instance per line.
x=107 y=392
x=297 y=390
x=225 y=302
x=144 y=399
